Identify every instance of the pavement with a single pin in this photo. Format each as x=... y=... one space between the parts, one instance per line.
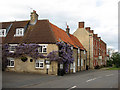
x=84 y=79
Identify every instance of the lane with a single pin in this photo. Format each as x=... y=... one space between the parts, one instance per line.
x=101 y=79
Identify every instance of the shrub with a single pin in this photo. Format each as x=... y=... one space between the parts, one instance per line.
x=97 y=67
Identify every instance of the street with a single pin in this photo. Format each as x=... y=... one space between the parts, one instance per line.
x=83 y=79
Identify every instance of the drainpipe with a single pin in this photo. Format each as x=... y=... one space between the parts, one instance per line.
x=77 y=60
x=80 y=60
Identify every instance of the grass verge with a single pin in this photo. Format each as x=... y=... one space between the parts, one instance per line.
x=113 y=68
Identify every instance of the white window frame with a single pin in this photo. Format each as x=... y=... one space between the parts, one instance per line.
x=78 y=50
x=43 y=47
x=84 y=52
x=12 y=45
x=18 y=32
x=11 y=59
x=39 y=61
x=81 y=62
x=71 y=47
x=71 y=65
x=1 y=33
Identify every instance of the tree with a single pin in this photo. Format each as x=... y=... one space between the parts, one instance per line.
x=116 y=59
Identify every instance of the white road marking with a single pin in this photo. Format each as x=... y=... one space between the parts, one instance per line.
x=91 y=79
x=72 y=87
x=110 y=75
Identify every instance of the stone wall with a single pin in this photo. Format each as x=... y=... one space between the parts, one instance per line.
x=28 y=66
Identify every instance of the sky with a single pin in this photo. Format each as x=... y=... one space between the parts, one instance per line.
x=100 y=15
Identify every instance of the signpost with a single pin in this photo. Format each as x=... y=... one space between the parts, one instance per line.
x=47 y=62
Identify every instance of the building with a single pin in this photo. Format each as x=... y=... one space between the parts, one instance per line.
x=94 y=45
x=39 y=46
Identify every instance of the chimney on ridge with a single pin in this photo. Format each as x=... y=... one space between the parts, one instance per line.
x=34 y=17
x=80 y=24
x=67 y=30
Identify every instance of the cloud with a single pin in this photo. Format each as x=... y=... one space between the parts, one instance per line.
x=100 y=15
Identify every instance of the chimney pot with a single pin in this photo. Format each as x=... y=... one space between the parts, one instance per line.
x=67 y=30
x=81 y=24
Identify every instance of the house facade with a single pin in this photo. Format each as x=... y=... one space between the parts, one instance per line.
x=95 y=47
x=39 y=44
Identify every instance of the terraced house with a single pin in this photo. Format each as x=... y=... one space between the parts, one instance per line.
x=95 y=46
x=38 y=46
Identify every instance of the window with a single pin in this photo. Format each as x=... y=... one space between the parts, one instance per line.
x=84 y=52
x=12 y=47
x=42 y=49
x=2 y=32
x=71 y=47
x=39 y=64
x=19 y=32
x=81 y=62
x=71 y=66
x=78 y=50
x=10 y=62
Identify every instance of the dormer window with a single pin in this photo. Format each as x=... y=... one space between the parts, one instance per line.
x=19 y=32
x=2 y=32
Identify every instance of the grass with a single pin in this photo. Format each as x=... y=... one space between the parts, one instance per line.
x=113 y=68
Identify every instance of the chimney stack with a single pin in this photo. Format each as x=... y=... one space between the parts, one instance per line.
x=67 y=30
x=92 y=31
x=34 y=17
x=88 y=29
x=81 y=25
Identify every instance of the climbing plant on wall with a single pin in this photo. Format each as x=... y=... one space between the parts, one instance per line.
x=63 y=55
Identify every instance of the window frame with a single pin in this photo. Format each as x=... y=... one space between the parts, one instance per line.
x=1 y=30
x=10 y=59
x=39 y=61
x=12 y=45
x=44 y=46
x=18 y=30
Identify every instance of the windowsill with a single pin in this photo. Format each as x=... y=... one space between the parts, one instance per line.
x=12 y=51
x=43 y=52
x=10 y=66
x=39 y=67
x=18 y=35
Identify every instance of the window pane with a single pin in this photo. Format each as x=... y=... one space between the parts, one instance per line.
x=8 y=62
x=40 y=49
x=41 y=64
x=12 y=48
x=37 y=64
x=44 y=49
x=12 y=63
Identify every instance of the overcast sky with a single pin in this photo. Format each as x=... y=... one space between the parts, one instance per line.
x=100 y=15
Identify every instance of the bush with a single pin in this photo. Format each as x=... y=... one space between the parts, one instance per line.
x=109 y=63
x=97 y=67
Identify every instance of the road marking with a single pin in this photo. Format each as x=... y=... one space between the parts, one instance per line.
x=91 y=79
x=110 y=75
x=72 y=87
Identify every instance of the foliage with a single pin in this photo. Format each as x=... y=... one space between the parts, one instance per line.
x=97 y=67
x=113 y=68
x=116 y=59
x=109 y=63
x=63 y=55
x=24 y=59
